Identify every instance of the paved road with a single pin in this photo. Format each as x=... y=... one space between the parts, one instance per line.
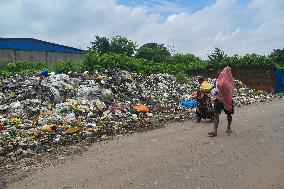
x=181 y=156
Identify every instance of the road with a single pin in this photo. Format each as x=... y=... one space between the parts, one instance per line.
x=181 y=156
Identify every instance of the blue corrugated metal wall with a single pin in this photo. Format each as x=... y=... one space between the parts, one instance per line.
x=279 y=80
x=30 y=44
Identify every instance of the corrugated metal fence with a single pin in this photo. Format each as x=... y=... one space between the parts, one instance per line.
x=279 y=80
x=49 y=58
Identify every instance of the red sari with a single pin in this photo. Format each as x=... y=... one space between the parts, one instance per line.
x=225 y=86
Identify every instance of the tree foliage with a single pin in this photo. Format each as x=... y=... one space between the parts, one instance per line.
x=277 y=56
x=182 y=59
x=117 y=44
x=154 y=52
x=101 y=45
x=122 y=45
x=216 y=58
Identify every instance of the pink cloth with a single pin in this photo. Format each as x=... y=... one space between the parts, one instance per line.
x=225 y=86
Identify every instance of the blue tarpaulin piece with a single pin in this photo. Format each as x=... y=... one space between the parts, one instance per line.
x=44 y=73
x=279 y=80
x=188 y=104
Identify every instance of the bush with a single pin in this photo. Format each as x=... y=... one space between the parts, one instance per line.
x=181 y=77
x=91 y=61
x=178 y=64
x=64 y=67
x=23 y=68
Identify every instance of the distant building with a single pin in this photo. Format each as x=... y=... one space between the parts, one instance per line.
x=34 y=50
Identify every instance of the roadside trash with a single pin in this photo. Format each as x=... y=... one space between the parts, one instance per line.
x=44 y=72
x=73 y=130
x=188 y=104
x=141 y=108
x=48 y=128
x=38 y=114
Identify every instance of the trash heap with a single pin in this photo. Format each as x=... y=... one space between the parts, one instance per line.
x=39 y=113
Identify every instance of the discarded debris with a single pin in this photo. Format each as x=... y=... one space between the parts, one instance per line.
x=38 y=113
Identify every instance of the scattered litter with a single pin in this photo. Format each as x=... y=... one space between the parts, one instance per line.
x=38 y=113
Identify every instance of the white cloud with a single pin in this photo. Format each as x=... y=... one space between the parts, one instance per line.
x=164 y=7
x=221 y=36
x=259 y=27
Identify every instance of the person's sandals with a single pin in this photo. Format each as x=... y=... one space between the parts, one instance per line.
x=211 y=134
x=229 y=131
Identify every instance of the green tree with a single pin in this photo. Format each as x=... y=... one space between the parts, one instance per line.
x=182 y=59
x=101 y=45
x=277 y=56
x=216 y=59
x=256 y=61
x=153 y=52
x=122 y=45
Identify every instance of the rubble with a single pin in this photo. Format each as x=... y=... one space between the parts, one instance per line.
x=38 y=113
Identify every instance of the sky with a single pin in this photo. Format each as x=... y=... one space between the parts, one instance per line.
x=185 y=26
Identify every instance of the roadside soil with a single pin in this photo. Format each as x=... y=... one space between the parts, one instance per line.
x=180 y=155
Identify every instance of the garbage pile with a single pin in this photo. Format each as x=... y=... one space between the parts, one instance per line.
x=39 y=113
